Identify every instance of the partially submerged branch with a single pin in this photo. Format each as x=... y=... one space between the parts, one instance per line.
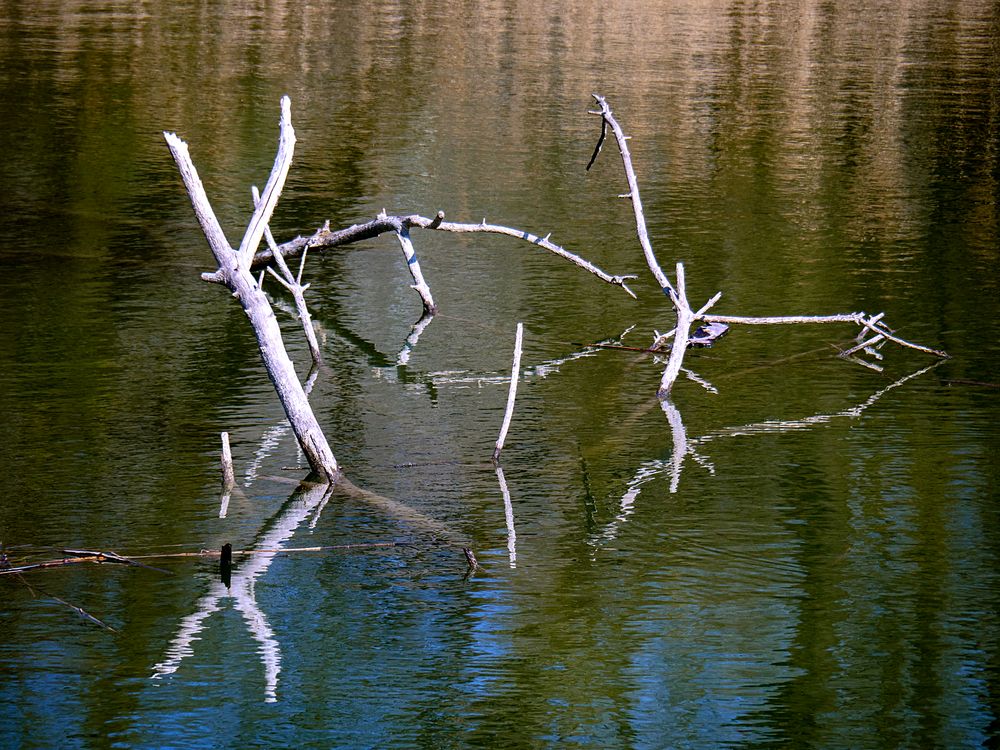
x=678 y=296
x=234 y=274
x=419 y=285
x=515 y=371
x=324 y=238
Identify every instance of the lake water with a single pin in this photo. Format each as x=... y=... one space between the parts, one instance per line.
x=806 y=555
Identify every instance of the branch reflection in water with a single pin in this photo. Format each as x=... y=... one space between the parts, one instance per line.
x=684 y=447
x=302 y=502
x=508 y=512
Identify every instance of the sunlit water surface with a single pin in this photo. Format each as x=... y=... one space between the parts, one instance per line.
x=795 y=551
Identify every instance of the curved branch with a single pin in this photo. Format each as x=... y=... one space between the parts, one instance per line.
x=325 y=238
x=608 y=119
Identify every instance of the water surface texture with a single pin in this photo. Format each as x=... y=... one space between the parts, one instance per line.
x=795 y=551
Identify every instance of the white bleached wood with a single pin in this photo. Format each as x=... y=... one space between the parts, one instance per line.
x=325 y=238
x=419 y=284
x=633 y=185
x=512 y=393
x=272 y=190
x=235 y=276
x=294 y=285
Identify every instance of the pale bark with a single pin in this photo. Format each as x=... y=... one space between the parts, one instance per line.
x=678 y=296
x=608 y=120
x=293 y=283
x=234 y=274
x=511 y=393
x=419 y=284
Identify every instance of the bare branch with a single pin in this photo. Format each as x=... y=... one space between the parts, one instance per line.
x=294 y=285
x=234 y=273
x=272 y=190
x=633 y=185
x=880 y=328
x=855 y=317
x=226 y=460
x=600 y=143
x=685 y=317
x=203 y=210
x=419 y=285
x=511 y=394
x=324 y=238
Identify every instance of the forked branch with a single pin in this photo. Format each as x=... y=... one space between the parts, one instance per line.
x=234 y=274
x=686 y=317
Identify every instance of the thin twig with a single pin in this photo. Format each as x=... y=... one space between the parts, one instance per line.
x=511 y=394
x=600 y=143
x=203 y=553
x=294 y=285
x=880 y=328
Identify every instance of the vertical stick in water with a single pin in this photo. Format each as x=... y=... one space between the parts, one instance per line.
x=514 y=371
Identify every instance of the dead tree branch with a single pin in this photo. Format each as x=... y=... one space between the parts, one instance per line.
x=608 y=120
x=515 y=371
x=678 y=295
x=324 y=238
x=234 y=274
x=293 y=283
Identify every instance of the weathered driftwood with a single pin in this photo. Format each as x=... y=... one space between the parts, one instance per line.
x=234 y=273
x=293 y=283
x=677 y=295
x=325 y=238
x=685 y=316
x=608 y=120
x=235 y=266
x=515 y=371
x=226 y=461
x=228 y=476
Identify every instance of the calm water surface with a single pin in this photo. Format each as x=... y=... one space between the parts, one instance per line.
x=807 y=557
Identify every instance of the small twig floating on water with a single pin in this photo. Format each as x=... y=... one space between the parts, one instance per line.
x=79 y=610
